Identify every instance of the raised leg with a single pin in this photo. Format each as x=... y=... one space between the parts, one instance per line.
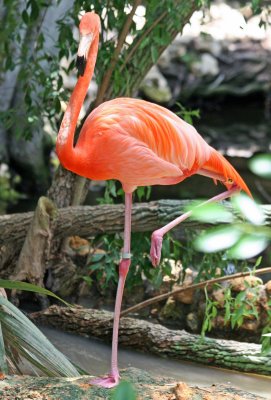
x=157 y=236
x=112 y=379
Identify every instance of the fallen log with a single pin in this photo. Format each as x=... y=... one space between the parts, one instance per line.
x=109 y=218
x=92 y=220
x=157 y=339
x=145 y=387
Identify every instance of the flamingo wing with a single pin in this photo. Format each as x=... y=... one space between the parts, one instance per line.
x=139 y=143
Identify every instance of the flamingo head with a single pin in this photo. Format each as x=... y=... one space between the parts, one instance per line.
x=89 y=27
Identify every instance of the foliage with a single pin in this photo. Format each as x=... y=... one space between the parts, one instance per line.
x=29 y=287
x=242 y=240
x=237 y=308
x=266 y=333
x=187 y=115
x=105 y=263
x=123 y=56
x=124 y=391
x=8 y=194
x=21 y=340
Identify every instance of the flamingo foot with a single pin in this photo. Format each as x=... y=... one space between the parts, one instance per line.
x=156 y=247
x=108 y=381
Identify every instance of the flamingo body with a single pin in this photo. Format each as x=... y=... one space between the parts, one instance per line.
x=140 y=143
x=137 y=143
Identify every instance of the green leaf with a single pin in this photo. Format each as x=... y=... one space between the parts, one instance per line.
x=154 y=54
x=24 y=338
x=25 y=17
x=57 y=105
x=261 y=165
x=96 y=257
x=249 y=209
x=124 y=391
x=34 y=10
x=29 y=287
x=211 y=212
x=3 y=360
x=248 y=246
x=217 y=239
x=258 y=262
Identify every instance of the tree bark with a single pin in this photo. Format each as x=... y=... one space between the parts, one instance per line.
x=157 y=339
x=146 y=387
x=92 y=220
x=31 y=266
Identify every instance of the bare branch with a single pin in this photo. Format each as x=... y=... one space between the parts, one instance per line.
x=121 y=40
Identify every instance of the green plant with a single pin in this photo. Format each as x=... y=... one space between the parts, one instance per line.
x=104 y=265
x=21 y=340
x=8 y=195
x=124 y=391
x=121 y=64
x=239 y=240
x=237 y=308
x=266 y=332
x=210 y=314
x=187 y=115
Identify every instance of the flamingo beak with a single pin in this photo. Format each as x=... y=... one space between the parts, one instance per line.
x=82 y=54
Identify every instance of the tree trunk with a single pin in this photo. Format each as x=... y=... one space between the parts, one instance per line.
x=145 y=387
x=92 y=220
x=30 y=265
x=157 y=339
x=28 y=155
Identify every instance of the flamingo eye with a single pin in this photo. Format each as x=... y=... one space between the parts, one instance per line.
x=230 y=181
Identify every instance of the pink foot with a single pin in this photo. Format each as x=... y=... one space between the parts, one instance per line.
x=156 y=247
x=108 y=381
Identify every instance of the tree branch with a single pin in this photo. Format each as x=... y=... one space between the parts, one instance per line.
x=121 y=40
x=140 y=40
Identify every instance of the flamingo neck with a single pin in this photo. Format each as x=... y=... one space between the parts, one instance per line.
x=65 y=148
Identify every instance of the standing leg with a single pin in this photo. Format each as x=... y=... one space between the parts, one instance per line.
x=113 y=378
x=157 y=236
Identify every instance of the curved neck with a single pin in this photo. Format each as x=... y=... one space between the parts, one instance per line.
x=64 y=146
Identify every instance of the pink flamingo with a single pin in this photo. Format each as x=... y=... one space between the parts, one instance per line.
x=137 y=143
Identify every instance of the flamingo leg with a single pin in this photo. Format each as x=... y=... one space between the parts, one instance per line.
x=112 y=379
x=157 y=236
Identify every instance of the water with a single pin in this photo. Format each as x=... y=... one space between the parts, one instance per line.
x=94 y=357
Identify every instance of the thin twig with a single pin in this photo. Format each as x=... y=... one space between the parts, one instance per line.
x=140 y=40
x=164 y=296
x=121 y=40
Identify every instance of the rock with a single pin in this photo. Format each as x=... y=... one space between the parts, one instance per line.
x=155 y=87
x=172 y=312
x=182 y=391
x=219 y=322
x=263 y=298
x=207 y=65
x=218 y=295
x=143 y=384
x=250 y=325
x=193 y=322
x=186 y=297
x=268 y=287
x=240 y=284
x=81 y=246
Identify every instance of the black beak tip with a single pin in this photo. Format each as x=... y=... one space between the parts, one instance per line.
x=81 y=63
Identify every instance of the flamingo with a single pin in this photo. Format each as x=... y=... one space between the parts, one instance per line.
x=137 y=143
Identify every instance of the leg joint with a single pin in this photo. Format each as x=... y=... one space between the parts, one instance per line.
x=126 y=256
